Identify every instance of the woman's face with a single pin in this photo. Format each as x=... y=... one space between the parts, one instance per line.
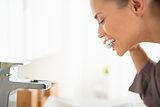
x=120 y=24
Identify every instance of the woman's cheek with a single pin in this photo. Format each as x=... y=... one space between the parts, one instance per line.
x=111 y=27
x=116 y=30
x=107 y=28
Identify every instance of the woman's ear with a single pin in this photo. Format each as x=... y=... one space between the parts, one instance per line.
x=137 y=7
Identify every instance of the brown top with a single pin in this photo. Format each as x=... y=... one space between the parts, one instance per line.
x=147 y=84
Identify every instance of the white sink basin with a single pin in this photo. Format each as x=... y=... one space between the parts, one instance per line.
x=61 y=102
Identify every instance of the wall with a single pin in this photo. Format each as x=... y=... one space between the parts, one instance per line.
x=60 y=38
x=12 y=30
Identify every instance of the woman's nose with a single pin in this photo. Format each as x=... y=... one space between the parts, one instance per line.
x=101 y=32
x=101 y=35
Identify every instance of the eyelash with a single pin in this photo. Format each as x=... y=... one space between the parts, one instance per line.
x=101 y=21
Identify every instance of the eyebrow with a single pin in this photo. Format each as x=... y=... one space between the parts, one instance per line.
x=97 y=15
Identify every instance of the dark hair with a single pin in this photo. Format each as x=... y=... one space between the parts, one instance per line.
x=122 y=3
x=155 y=8
x=157 y=2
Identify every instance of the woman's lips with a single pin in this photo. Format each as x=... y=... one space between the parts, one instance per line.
x=106 y=39
x=114 y=44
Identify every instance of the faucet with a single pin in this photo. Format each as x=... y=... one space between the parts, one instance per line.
x=10 y=82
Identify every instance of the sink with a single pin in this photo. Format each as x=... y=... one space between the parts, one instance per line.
x=86 y=102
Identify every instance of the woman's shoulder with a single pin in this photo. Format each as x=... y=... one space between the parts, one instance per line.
x=158 y=65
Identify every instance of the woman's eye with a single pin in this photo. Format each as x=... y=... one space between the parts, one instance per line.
x=101 y=21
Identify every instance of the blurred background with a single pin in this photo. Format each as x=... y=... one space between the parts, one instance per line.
x=60 y=39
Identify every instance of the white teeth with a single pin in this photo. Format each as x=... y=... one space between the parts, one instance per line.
x=109 y=43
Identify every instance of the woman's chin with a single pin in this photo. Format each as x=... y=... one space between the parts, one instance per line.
x=120 y=52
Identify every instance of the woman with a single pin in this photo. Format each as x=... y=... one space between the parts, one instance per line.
x=129 y=22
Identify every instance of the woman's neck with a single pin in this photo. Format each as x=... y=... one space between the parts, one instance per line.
x=155 y=35
x=153 y=30
x=154 y=23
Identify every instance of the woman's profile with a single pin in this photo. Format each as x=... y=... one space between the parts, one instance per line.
x=126 y=23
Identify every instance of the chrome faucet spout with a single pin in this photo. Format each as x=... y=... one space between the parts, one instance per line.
x=41 y=84
x=10 y=82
